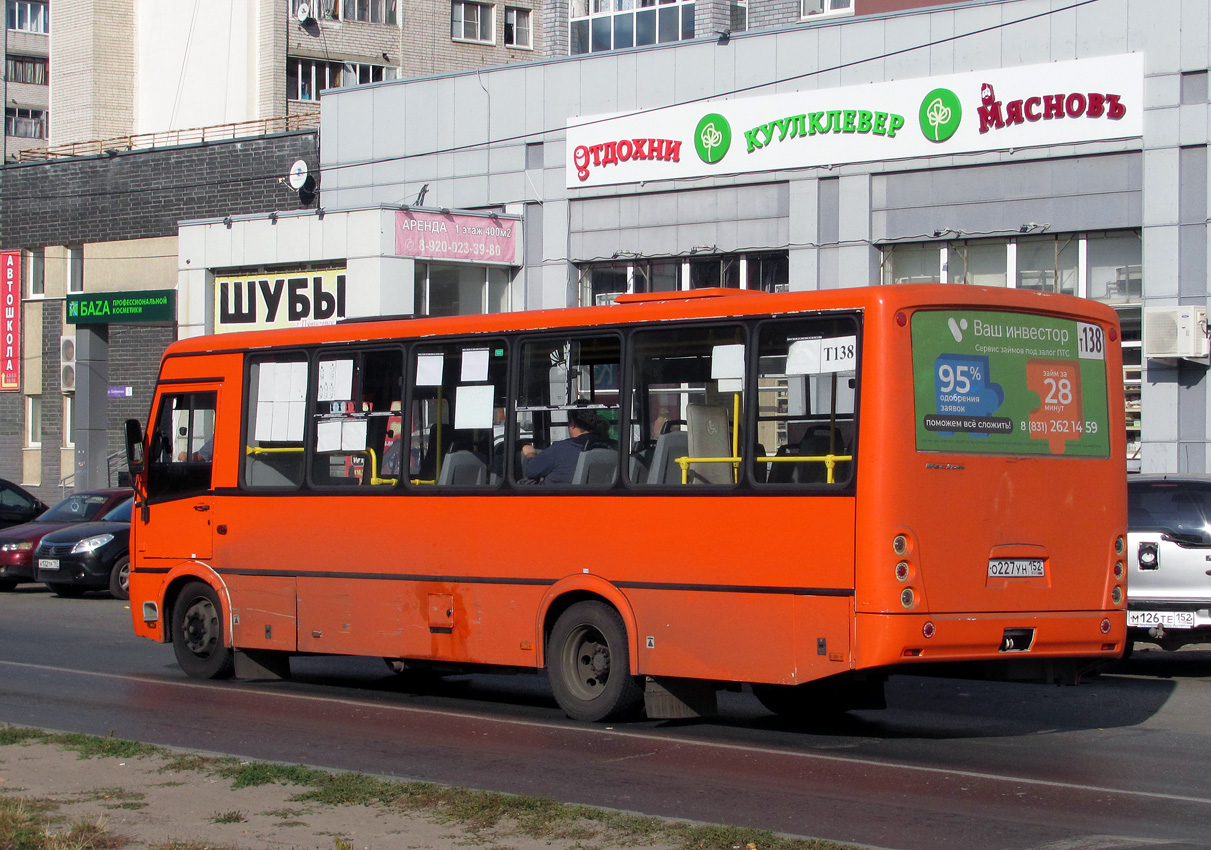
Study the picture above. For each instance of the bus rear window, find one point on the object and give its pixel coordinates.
(990, 382)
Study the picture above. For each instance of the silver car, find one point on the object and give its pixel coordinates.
(1169, 559)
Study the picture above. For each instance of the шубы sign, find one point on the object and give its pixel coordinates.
(153, 305)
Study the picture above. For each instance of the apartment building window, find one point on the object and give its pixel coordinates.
(75, 268)
(306, 78)
(33, 421)
(25, 123)
(35, 272)
(517, 27)
(812, 8)
(455, 289)
(601, 25)
(471, 22)
(371, 11)
(28, 16)
(26, 69)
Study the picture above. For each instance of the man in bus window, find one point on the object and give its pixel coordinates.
(557, 463)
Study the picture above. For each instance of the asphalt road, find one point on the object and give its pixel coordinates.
(1117, 762)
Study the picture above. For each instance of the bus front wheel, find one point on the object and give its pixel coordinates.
(197, 633)
(588, 662)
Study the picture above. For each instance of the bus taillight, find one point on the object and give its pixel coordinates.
(928, 630)
(1105, 626)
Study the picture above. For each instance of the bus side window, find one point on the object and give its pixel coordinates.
(568, 407)
(276, 421)
(356, 404)
(686, 400)
(807, 391)
(456, 419)
(182, 443)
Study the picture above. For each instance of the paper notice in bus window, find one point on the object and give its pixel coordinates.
(269, 387)
(298, 384)
(328, 436)
(727, 361)
(335, 380)
(822, 356)
(475, 365)
(429, 370)
(988, 382)
(263, 432)
(473, 407)
(353, 435)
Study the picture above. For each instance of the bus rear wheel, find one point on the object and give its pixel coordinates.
(588, 662)
(197, 633)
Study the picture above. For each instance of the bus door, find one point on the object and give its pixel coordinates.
(178, 522)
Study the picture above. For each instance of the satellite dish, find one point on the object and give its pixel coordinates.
(298, 175)
(303, 13)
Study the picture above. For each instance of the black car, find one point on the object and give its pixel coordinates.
(88, 556)
(17, 505)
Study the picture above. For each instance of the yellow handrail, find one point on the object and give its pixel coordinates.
(830, 461)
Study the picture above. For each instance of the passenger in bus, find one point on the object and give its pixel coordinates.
(556, 463)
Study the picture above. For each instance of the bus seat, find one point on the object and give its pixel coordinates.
(709, 436)
(596, 467)
(669, 447)
(463, 469)
(640, 463)
(816, 443)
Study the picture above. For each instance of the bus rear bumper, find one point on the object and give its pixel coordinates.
(1008, 638)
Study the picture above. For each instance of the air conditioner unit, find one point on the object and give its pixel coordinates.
(67, 364)
(1175, 332)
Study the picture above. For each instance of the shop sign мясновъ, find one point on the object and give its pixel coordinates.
(1083, 100)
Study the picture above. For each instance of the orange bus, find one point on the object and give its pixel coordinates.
(652, 500)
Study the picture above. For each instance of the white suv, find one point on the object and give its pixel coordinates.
(1169, 559)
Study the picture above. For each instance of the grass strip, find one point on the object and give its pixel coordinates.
(474, 811)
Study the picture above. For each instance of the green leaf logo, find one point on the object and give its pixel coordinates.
(941, 114)
(712, 138)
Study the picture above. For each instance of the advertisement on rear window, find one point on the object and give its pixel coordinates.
(987, 382)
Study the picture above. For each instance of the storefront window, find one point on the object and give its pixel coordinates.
(912, 263)
(1113, 267)
(450, 289)
(601, 283)
(1048, 264)
(981, 263)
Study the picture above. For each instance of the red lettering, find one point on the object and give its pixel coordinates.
(990, 116)
(1053, 106)
(672, 150)
(581, 157)
(1013, 112)
(637, 148)
(1116, 110)
(1031, 108)
(1075, 105)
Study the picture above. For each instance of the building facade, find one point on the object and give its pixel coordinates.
(1052, 146)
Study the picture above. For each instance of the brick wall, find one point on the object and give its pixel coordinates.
(134, 361)
(140, 194)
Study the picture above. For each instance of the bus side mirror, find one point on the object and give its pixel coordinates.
(134, 446)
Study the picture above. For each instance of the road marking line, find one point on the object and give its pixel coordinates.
(640, 736)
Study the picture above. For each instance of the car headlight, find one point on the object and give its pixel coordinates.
(91, 544)
(22, 546)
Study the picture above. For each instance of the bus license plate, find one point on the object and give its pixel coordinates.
(1015, 567)
(1168, 619)
(47, 564)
